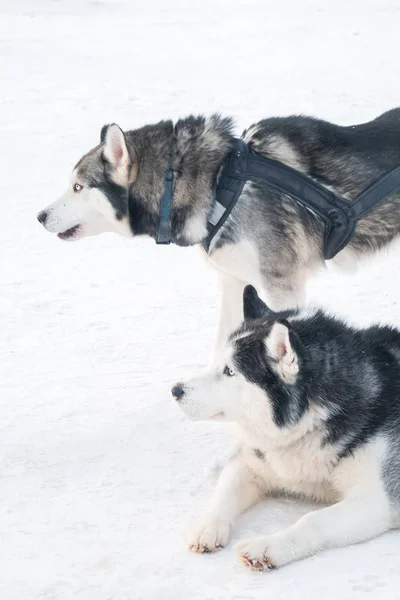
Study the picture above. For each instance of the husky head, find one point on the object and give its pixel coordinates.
(257, 378)
(118, 185)
(97, 198)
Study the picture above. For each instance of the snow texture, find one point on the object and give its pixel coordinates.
(100, 473)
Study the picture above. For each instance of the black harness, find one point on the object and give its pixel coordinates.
(338, 215)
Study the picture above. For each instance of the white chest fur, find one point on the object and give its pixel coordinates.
(239, 260)
(304, 467)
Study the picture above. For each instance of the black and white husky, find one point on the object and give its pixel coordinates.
(269, 240)
(317, 407)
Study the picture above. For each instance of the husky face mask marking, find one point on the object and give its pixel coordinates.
(255, 362)
(97, 200)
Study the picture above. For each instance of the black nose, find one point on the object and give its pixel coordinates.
(177, 391)
(42, 216)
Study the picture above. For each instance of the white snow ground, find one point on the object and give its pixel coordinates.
(100, 473)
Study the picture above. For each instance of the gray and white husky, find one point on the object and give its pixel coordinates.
(317, 408)
(268, 240)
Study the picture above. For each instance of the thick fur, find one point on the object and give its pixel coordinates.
(317, 409)
(268, 240)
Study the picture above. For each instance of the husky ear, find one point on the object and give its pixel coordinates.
(280, 349)
(253, 306)
(115, 150)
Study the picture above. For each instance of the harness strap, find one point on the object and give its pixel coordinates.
(338, 215)
(228, 189)
(332, 210)
(386, 185)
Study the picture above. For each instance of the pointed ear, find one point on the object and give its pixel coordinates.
(115, 150)
(280, 349)
(253, 306)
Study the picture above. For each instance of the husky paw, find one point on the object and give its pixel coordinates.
(257, 554)
(209, 536)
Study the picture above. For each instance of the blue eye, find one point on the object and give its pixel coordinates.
(77, 187)
(228, 371)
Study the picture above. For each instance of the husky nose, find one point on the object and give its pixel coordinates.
(42, 216)
(177, 391)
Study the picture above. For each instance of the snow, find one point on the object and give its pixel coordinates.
(100, 472)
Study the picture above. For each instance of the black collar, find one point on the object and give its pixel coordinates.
(164, 225)
(338, 215)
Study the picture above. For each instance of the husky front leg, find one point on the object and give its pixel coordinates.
(235, 491)
(286, 290)
(348, 522)
(231, 308)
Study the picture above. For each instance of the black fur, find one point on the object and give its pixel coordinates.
(253, 306)
(103, 133)
(142, 221)
(117, 195)
(354, 375)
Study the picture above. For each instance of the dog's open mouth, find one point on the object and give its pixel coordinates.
(69, 233)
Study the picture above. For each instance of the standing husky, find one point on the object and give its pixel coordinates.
(268, 239)
(317, 405)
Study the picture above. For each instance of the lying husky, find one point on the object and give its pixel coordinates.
(269, 239)
(317, 405)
